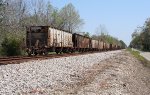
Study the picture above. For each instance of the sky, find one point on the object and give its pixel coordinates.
(120, 17)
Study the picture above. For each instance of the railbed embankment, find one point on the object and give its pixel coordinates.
(47, 76)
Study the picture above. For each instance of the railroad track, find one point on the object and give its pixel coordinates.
(20, 59)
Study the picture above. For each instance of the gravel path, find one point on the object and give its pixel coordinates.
(146, 55)
(52, 76)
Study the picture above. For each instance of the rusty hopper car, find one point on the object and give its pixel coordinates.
(111, 46)
(104, 46)
(95, 45)
(61, 40)
(115, 47)
(80, 43)
(118, 47)
(101, 45)
(107, 46)
(41, 39)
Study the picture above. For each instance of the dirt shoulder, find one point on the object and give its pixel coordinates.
(118, 75)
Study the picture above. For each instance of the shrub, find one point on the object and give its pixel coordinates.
(11, 46)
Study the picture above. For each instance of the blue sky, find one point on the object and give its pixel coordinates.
(120, 17)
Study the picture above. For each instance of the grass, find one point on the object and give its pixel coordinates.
(137, 55)
(51, 52)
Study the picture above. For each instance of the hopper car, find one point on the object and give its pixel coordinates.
(43, 39)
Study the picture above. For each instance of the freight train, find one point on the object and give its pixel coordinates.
(44, 39)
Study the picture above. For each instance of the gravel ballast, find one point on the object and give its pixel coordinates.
(46, 76)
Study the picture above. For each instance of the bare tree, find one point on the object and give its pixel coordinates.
(101, 30)
(71, 18)
(49, 11)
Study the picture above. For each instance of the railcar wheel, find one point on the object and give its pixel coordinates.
(29, 53)
(45, 52)
(72, 50)
(57, 52)
(41, 53)
(35, 53)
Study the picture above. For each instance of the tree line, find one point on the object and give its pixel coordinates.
(141, 37)
(16, 14)
(103, 35)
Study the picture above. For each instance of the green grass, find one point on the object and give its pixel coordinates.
(137, 55)
(51, 52)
